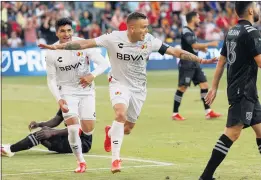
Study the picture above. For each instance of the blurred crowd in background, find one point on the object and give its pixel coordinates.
(28, 23)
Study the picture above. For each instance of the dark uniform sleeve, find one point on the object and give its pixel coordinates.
(59, 113)
(224, 48)
(254, 43)
(189, 38)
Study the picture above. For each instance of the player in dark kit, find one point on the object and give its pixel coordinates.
(53, 139)
(242, 53)
(191, 71)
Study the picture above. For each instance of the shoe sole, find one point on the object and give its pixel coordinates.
(208, 118)
(115, 171)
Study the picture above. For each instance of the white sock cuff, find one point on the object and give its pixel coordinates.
(118, 124)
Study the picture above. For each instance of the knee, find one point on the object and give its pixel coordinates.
(120, 116)
(233, 135)
(88, 131)
(73, 129)
(182, 88)
(128, 128)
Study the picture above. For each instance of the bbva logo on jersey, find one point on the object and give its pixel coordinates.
(70, 67)
(127, 57)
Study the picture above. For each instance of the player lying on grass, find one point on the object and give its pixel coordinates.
(128, 54)
(53, 139)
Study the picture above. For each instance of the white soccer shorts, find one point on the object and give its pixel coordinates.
(82, 106)
(133, 100)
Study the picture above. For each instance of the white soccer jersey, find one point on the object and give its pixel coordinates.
(128, 60)
(64, 69)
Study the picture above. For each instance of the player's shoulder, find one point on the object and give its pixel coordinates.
(186, 31)
(251, 31)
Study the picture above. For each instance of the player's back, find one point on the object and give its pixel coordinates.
(241, 66)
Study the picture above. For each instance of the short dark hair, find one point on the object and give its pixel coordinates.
(135, 16)
(63, 22)
(190, 15)
(241, 7)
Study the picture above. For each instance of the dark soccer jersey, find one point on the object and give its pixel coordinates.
(85, 139)
(241, 45)
(188, 38)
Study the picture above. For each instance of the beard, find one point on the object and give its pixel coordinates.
(256, 17)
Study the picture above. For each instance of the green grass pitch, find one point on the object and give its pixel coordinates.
(179, 150)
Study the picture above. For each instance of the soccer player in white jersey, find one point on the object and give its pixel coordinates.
(128, 53)
(65, 72)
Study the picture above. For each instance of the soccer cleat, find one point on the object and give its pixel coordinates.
(81, 167)
(212, 115)
(178, 117)
(107, 141)
(5, 151)
(116, 166)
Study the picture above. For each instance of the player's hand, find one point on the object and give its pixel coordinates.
(86, 80)
(214, 43)
(205, 50)
(209, 61)
(44, 134)
(210, 97)
(63, 105)
(33, 125)
(46, 46)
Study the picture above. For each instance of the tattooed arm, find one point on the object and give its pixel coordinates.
(185, 55)
(73, 45)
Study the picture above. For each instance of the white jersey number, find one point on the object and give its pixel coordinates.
(231, 54)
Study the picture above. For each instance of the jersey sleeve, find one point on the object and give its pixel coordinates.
(158, 45)
(254, 43)
(51, 76)
(104, 40)
(101, 62)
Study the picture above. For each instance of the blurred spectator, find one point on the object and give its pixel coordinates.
(212, 31)
(123, 24)
(14, 41)
(48, 29)
(91, 19)
(30, 35)
(117, 18)
(84, 24)
(4, 41)
(95, 30)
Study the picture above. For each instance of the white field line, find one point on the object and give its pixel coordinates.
(153, 164)
(71, 170)
(97, 87)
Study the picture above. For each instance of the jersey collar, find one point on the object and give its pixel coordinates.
(243, 21)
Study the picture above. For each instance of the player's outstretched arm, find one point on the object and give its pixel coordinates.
(55, 121)
(210, 97)
(73, 45)
(185, 55)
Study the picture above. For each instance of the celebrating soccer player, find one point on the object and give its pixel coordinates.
(128, 53)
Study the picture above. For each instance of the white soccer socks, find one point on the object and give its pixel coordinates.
(75, 141)
(117, 134)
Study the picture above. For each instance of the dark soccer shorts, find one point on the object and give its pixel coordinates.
(60, 144)
(245, 113)
(187, 75)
